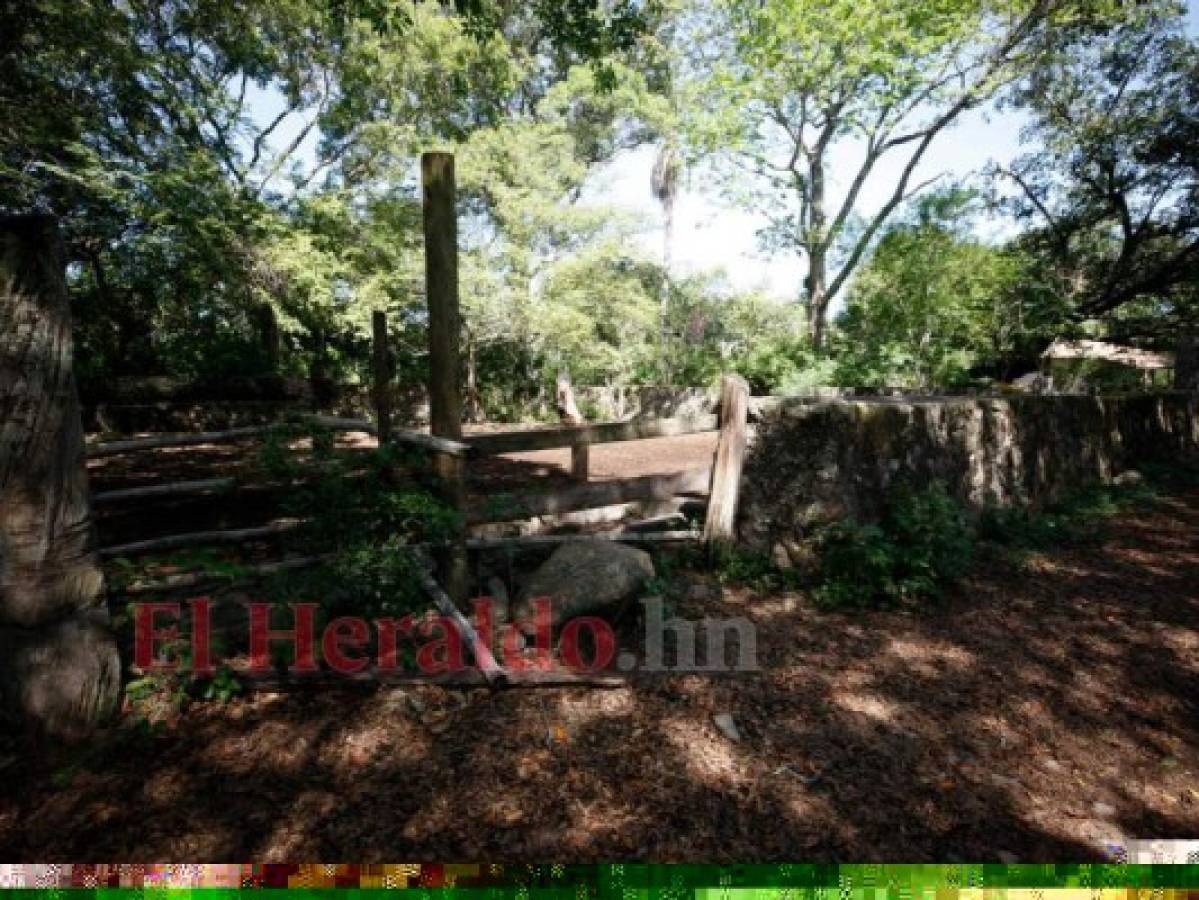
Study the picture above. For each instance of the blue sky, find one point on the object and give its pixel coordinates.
(709, 234)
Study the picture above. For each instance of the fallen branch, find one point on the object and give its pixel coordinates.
(173, 489)
(491, 670)
(226, 536)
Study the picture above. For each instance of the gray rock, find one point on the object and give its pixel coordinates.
(1132, 476)
(1106, 810)
(585, 576)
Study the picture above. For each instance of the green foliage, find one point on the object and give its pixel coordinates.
(1077, 519)
(1110, 187)
(932, 304)
(922, 544)
(366, 579)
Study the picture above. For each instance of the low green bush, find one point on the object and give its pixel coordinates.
(922, 544)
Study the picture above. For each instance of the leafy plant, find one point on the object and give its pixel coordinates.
(922, 544)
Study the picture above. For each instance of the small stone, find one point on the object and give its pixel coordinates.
(1132, 476)
(1052, 765)
(699, 591)
(1106, 810)
(1008, 859)
(724, 721)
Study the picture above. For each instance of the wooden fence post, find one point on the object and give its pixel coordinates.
(381, 363)
(580, 459)
(441, 293)
(445, 334)
(720, 525)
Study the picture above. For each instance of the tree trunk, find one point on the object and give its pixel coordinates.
(568, 411)
(1186, 363)
(816, 282)
(473, 410)
(58, 662)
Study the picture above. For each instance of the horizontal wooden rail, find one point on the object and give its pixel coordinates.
(553, 540)
(334, 423)
(174, 489)
(247, 575)
(251, 574)
(602, 433)
(510, 507)
(162, 441)
(194, 538)
(398, 435)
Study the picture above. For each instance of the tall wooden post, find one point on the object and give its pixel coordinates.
(720, 527)
(445, 335)
(59, 665)
(441, 293)
(381, 363)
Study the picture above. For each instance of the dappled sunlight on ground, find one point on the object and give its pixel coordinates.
(1046, 710)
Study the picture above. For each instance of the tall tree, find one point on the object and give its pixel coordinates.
(58, 664)
(778, 87)
(1112, 184)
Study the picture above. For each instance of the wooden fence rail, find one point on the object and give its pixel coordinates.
(580, 435)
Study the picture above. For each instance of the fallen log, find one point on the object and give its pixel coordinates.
(173, 489)
(191, 539)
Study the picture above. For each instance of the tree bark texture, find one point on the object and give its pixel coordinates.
(58, 662)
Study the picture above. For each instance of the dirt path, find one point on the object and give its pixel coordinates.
(656, 456)
(1043, 713)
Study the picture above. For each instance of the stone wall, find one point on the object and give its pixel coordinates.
(817, 461)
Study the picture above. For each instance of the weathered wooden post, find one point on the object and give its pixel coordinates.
(59, 666)
(381, 365)
(445, 334)
(441, 292)
(721, 523)
(580, 460)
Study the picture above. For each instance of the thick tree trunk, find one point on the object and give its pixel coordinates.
(58, 663)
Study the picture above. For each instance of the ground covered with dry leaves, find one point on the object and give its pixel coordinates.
(1045, 711)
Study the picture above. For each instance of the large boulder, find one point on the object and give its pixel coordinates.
(585, 576)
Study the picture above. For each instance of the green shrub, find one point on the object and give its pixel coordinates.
(1079, 518)
(922, 544)
(857, 565)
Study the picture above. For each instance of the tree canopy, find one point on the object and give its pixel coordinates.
(238, 184)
